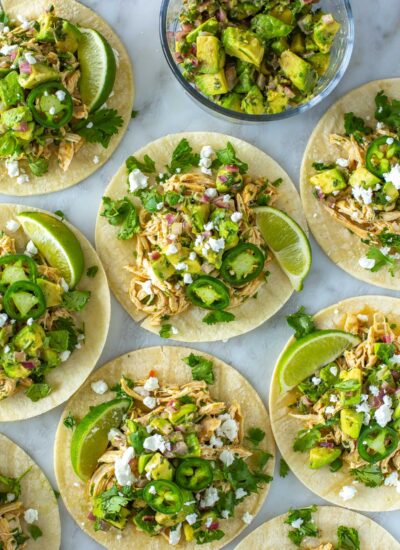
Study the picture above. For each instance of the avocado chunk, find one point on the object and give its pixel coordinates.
(210, 54)
(301, 73)
(30, 339)
(46, 31)
(325, 32)
(51, 357)
(210, 26)
(68, 37)
(159, 467)
(322, 456)
(99, 512)
(390, 192)
(199, 214)
(320, 62)
(242, 10)
(267, 27)
(162, 268)
(143, 460)
(11, 91)
(212, 84)
(15, 370)
(351, 397)
(26, 135)
(161, 425)
(13, 117)
(351, 422)
(297, 45)
(246, 77)
(232, 101)
(52, 292)
(362, 177)
(182, 415)
(40, 73)
(277, 101)
(280, 45)
(253, 102)
(243, 44)
(329, 181)
(229, 231)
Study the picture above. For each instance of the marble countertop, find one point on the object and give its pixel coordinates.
(164, 108)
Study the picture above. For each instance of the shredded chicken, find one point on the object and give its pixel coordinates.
(10, 525)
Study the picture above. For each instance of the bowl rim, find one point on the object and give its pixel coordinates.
(245, 117)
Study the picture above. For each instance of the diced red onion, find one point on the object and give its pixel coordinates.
(213, 526)
(261, 81)
(387, 338)
(205, 199)
(187, 27)
(91, 516)
(25, 68)
(288, 92)
(28, 365)
(327, 444)
(221, 16)
(230, 75)
(223, 178)
(170, 219)
(232, 168)
(155, 255)
(178, 57)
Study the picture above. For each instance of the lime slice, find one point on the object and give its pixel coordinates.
(90, 438)
(310, 353)
(287, 241)
(98, 69)
(56, 243)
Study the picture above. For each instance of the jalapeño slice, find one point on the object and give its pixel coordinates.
(208, 292)
(194, 474)
(163, 496)
(376, 443)
(242, 264)
(24, 300)
(382, 154)
(51, 105)
(24, 260)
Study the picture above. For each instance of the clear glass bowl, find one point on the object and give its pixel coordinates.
(340, 57)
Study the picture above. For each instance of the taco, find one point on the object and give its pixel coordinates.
(186, 442)
(350, 181)
(320, 528)
(54, 312)
(59, 65)
(338, 426)
(29, 516)
(187, 258)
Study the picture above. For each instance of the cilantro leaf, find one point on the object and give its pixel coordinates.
(60, 214)
(218, 316)
(348, 538)
(371, 475)
(134, 114)
(106, 123)
(34, 531)
(148, 166)
(381, 260)
(241, 477)
(38, 166)
(283, 468)
(307, 528)
(69, 421)
(301, 322)
(165, 330)
(320, 166)
(75, 300)
(150, 198)
(203, 537)
(11, 485)
(390, 239)
(306, 439)
(183, 157)
(354, 125)
(228, 156)
(347, 385)
(4, 17)
(66, 323)
(92, 271)
(117, 388)
(38, 391)
(122, 212)
(202, 368)
(385, 352)
(255, 436)
(172, 198)
(387, 111)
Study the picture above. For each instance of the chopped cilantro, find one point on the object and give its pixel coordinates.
(34, 531)
(209, 535)
(241, 477)
(320, 166)
(38, 391)
(122, 212)
(75, 300)
(183, 157)
(385, 352)
(147, 166)
(117, 388)
(38, 166)
(66, 323)
(165, 330)
(381, 260)
(307, 439)
(228, 156)
(150, 198)
(283, 468)
(355, 126)
(307, 527)
(92, 271)
(202, 368)
(69, 421)
(387, 111)
(301, 322)
(255, 436)
(390, 239)
(106, 123)
(134, 114)
(371, 475)
(348, 538)
(172, 198)
(218, 316)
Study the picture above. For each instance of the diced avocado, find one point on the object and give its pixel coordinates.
(40, 73)
(159, 467)
(246, 77)
(12, 274)
(310, 44)
(325, 32)
(4, 336)
(228, 181)
(301, 73)
(199, 214)
(297, 44)
(210, 53)
(243, 10)
(162, 268)
(351, 422)
(11, 91)
(9, 145)
(26, 135)
(51, 357)
(351, 397)
(182, 415)
(13, 117)
(396, 413)
(30, 339)
(320, 62)
(188, 532)
(68, 37)
(58, 340)
(161, 425)
(193, 444)
(228, 230)
(232, 101)
(361, 176)
(24, 302)
(243, 44)
(211, 26)
(189, 506)
(329, 181)
(193, 266)
(284, 14)
(46, 31)
(306, 23)
(143, 460)
(322, 456)
(390, 192)
(280, 45)
(253, 102)
(15, 370)
(277, 101)
(99, 512)
(267, 27)
(212, 84)
(52, 292)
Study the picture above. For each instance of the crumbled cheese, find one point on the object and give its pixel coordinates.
(114, 433)
(228, 428)
(96, 159)
(7, 349)
(216, 244)
(205, 162)
(25, 24)
(379, 125)
(214, 441)
(199, 240)
(192, 256)
(385, 250)
(175, 535)
(393, 176)
(333, 370)
(316, 381)
(150, 402)
(208, 226)
(374, 390)
(160, 205)
(240, 493)
(236, 217)
(366, 409)
(362, 194)
(141, 391)
(147, 287)
(3, 319)
(210, 498)
(178, 170)
(211, 192)
(366, 263)
(10, 497)
(123, 471)
(191, 518)
(297, 523)
(64, 284)
(181, 266)
(52, 111)
(12, 225)
(206, 151)
(383, 414)
(31, 249)
(347, 492)
(226, 199)
(209, 522)
(330, 410)
(99, 387)
(31, 515)
(60, 94)
(333, 398)
(23, 178)
(7, 50)
(174, 330)
(151, 383)
(362, 318)
(342, 162)
(31, 59)
(247, 518)
(395, 359)
(225, 514)
(12, 168)
(392, 480)
(171, 250)
(206, 171)
(89, 125)
(152, 490)
(390, 141)
(155, 443)
(64, 355)
(227, 457)
(137, 180)
(187, 279)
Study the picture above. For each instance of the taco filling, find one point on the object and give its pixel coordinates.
(49, 103)
(178, 464)
(361, 190)
(350, 408)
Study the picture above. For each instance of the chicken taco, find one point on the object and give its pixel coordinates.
(29, 516)
(59, 65)
(164, 446)
(335, 404)
(320, 528)
(350, 181)
(198, 238)
(54, 311)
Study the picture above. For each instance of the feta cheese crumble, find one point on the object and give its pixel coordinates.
(297, 523)
(31, 515)
(347, 492)
(191, 518)
(12, 226)
(151, 384)
(236, 217)
(316, 381)
(227, 457)
(216, 244)
(31, 59)
(247, 518)
(12, 168)
(175, 535)
(343, 163)
(366, 263)
(123, 471)
(137, 180)
(210, 498)
(187, 279)
(64, 355)
(362, 194)
(171, 249)
(155, 443)
(150, 402)
(99, 387)
(3, 319)
(60, 94)
(383, 414)
(240, 493)
(393, 176)
(211, 193)
(96, 159)
(23, 178)
(228, 428)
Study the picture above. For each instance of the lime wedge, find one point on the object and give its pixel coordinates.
(98, 68)
(310, 353)
(287, 241)
(90, 438)
(56, 243)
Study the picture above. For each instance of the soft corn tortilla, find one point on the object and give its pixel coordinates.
(67, 377)
(82, 165)
(36, 493)
(342, 247)
(322, 482)
(273, 534)
(116, 254)
(167, 362)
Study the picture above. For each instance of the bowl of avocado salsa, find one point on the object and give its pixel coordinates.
(258, 60)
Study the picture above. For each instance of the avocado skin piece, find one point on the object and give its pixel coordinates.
(320, 62)
(253, 102)
(210, 53)
(351, 422)
(301, 73)
(267, 27)
(211, 26)
(363, 177)
(329, 180)
(40, 73)
(11, 92)
(243, 44)
(322, 456)
(324, 34)
(212, 84)
(12, 117)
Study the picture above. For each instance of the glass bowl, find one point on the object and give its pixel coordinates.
(340, 57)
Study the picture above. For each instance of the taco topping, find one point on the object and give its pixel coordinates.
(255, 57)
(361, 190)
(45, 111)
(177, 464)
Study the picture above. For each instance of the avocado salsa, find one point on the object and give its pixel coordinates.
(257, 57)
(39, 326)
(44, 110)
(361, 189)
(177, 466)
(350, 408)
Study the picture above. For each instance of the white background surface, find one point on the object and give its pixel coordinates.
(164, 108)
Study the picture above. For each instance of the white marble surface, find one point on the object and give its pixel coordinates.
(164, 108)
